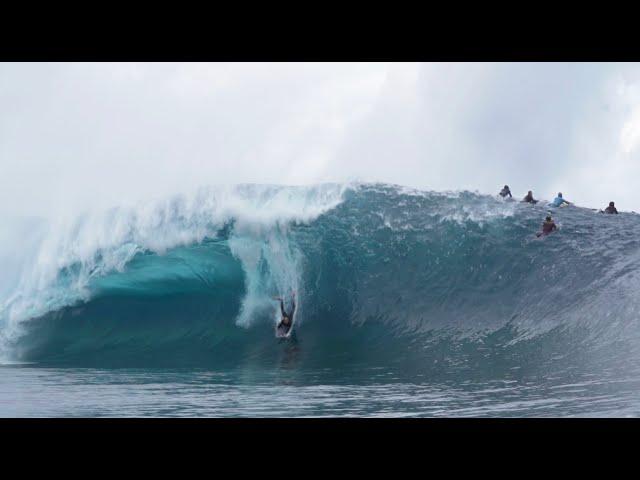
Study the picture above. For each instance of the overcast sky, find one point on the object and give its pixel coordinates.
(79, 135)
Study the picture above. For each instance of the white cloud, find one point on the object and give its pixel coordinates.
(80, 135)
(630, 135)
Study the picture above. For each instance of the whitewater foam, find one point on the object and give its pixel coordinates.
(58, 269)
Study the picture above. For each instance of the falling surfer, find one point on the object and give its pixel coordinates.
(284, 327)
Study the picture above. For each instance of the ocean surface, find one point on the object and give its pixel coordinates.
(410, 303)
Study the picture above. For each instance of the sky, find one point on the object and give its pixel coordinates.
(81, 135)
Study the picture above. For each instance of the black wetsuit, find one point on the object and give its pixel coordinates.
(504, 192)
(529, 199)
(282, 327)
(610, 210)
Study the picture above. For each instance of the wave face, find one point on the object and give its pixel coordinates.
(426, 281)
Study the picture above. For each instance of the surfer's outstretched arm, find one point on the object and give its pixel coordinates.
(282, 308)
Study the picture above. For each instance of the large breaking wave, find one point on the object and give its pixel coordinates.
(384, 275)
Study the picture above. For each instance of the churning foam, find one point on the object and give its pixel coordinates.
(55, 271)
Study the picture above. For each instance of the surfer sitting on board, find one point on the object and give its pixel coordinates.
(529, 198)
(547, 227)
(287, 318)
(611, 208)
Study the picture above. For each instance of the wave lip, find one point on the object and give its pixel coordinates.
(72, 254)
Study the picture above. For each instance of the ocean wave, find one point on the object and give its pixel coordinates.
(382, 273)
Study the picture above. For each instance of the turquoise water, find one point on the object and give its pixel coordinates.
(410, 303)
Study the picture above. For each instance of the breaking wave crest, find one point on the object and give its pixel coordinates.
(384, 274)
